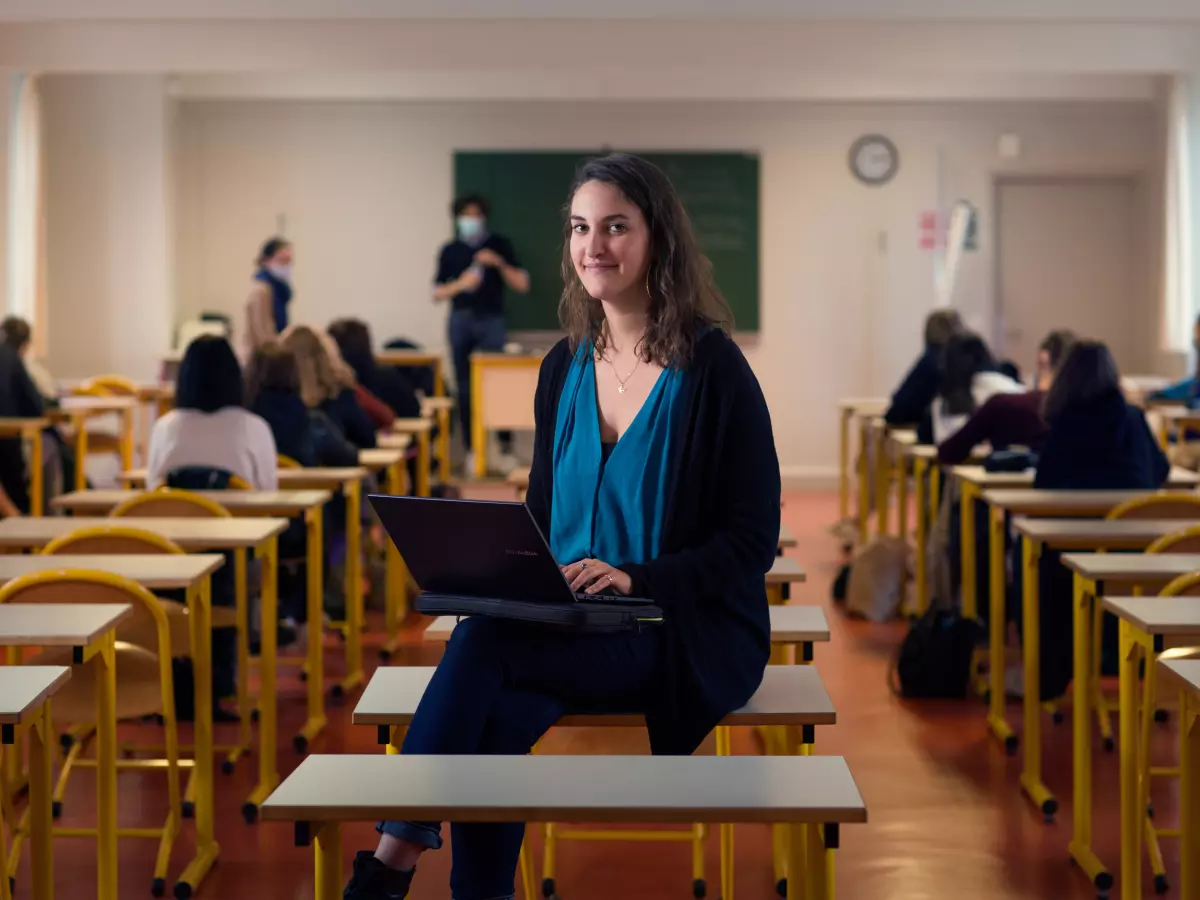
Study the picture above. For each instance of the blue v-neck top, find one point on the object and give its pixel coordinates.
(610, 500)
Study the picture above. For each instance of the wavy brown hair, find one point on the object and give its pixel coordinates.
(684, 299)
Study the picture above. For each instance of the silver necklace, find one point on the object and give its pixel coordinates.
(621, 382)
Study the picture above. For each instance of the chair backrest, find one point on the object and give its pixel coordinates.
(1180, 505)
(108, 385)
(1185, 540)
(170, 503)
(102, 539)
(1188, 584)
(286, 462)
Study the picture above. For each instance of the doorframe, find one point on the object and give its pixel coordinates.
(1000, 178)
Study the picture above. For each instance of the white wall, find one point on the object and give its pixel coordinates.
(364, 189)
(7, 104)
(108, 225)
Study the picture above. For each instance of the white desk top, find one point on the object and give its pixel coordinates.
(189, 533)
(23, 690)
(789, 695)
(1100, 534)
(1059, 504)
(157, 572)
(1186, 671)
(58, 624)
(1131, 567)
(977, 475)
(818, 789)
(786, 571)
(1158, 615)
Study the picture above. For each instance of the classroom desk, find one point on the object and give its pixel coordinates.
(90, 630)
(502, 389)
(242, 504)
(25, 693)
(439, 409)
(893, 466)
(1093, 572)
(1186, 674)
(848, 410)
(76, 411)
(421, 429)
(199, 535)
(1144, 623)
(416, 359)
(30, 430)
(156, 572)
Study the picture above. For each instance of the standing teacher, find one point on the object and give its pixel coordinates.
(267, 305)
(473, 272)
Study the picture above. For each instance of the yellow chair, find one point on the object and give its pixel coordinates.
(171, 503)
(146, 689)
(105, 442)
(286, 462)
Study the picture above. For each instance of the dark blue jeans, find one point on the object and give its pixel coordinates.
(500, 686)
(471, 331)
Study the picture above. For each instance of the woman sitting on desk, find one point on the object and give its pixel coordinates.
(654, 475)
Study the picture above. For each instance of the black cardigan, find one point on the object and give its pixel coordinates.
(718, 542)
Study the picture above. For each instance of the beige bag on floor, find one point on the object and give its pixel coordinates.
(877, 579)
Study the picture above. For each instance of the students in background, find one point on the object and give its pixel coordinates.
(17, 333)
(473, 272)
(683, 509)
(19, 399)
(209, 426)
(1097, 441)
(1185, 448)
(305, 435)
(327, 383)
(968, 380)
(267, 305)
(1008, 419)
(353, 338)
(913, 398)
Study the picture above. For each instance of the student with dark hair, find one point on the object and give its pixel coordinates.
(267, 305)
(353, 338)
(914, 397)
(210, 426)
(968, 380)
(654, 475)
(1007, 420)
(1097, 441)
(19, 399)
(473, 272)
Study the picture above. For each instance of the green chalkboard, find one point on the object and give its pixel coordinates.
(528, 190)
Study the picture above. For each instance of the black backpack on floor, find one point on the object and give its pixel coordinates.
(934, 661)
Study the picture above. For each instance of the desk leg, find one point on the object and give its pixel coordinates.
(443, 451)
(883, 482)
(864, 485)
(41, 849)
(844, 467)
(81, 451)
(966, 505)
(397, 576)
(1031, 774)
(423, 464)
(37, 491)
(328, 857)
(478, 435)
(901, 495)
(315, 723)
(354, 594)
(268, 774)
(922, 587)
(106, 771)
(1189, 793)
(1081, 707)
(997, 628)
(207, 850)
(1131, 811)
(127, 438)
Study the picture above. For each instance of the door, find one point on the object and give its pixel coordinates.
(1065, 259)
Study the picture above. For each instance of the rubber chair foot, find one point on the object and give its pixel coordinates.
(300, 744)
(699, 889)
(56, 809)
(227, 767)
(1161, 885)
(158, 887)
(189, 812)
(1109, 745)
(249, 813)
(183, 891)
(1162, 716)
(548, 889)
(781, 887)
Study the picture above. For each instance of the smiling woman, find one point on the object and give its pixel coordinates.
(655, 476)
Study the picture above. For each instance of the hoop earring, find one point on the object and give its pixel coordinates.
(648, 294)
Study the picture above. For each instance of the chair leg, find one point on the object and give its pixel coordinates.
(526, 865)
(549, 856)
(1103, 715)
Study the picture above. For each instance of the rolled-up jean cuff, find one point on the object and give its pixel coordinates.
(423, 834)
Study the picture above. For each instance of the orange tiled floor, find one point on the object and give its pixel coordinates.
(946, 816)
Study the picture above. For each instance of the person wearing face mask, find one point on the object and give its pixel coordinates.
(473, 272)
(267, 305)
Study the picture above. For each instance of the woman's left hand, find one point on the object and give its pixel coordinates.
(591, 576)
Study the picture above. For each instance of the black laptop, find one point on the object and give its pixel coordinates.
(484, 558)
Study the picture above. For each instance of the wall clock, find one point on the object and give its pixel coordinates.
(874, 159)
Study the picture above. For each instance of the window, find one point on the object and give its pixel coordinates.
(26, 231)
(1179, 307)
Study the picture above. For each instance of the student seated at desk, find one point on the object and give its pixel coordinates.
(914, 397)
(19, 398)
(1097, 441)
(327, 383)
(682, 509)
(1007, 420)
(388, 383)
(1185, 448)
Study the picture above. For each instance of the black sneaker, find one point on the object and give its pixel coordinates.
(372, 880)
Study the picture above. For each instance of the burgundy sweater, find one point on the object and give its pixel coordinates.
(1004, 420)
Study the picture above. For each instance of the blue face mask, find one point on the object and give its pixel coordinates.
(469, 227)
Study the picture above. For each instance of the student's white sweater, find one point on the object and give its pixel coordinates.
(232, 438)
(984, 386)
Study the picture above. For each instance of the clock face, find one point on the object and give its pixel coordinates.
(874, 159)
